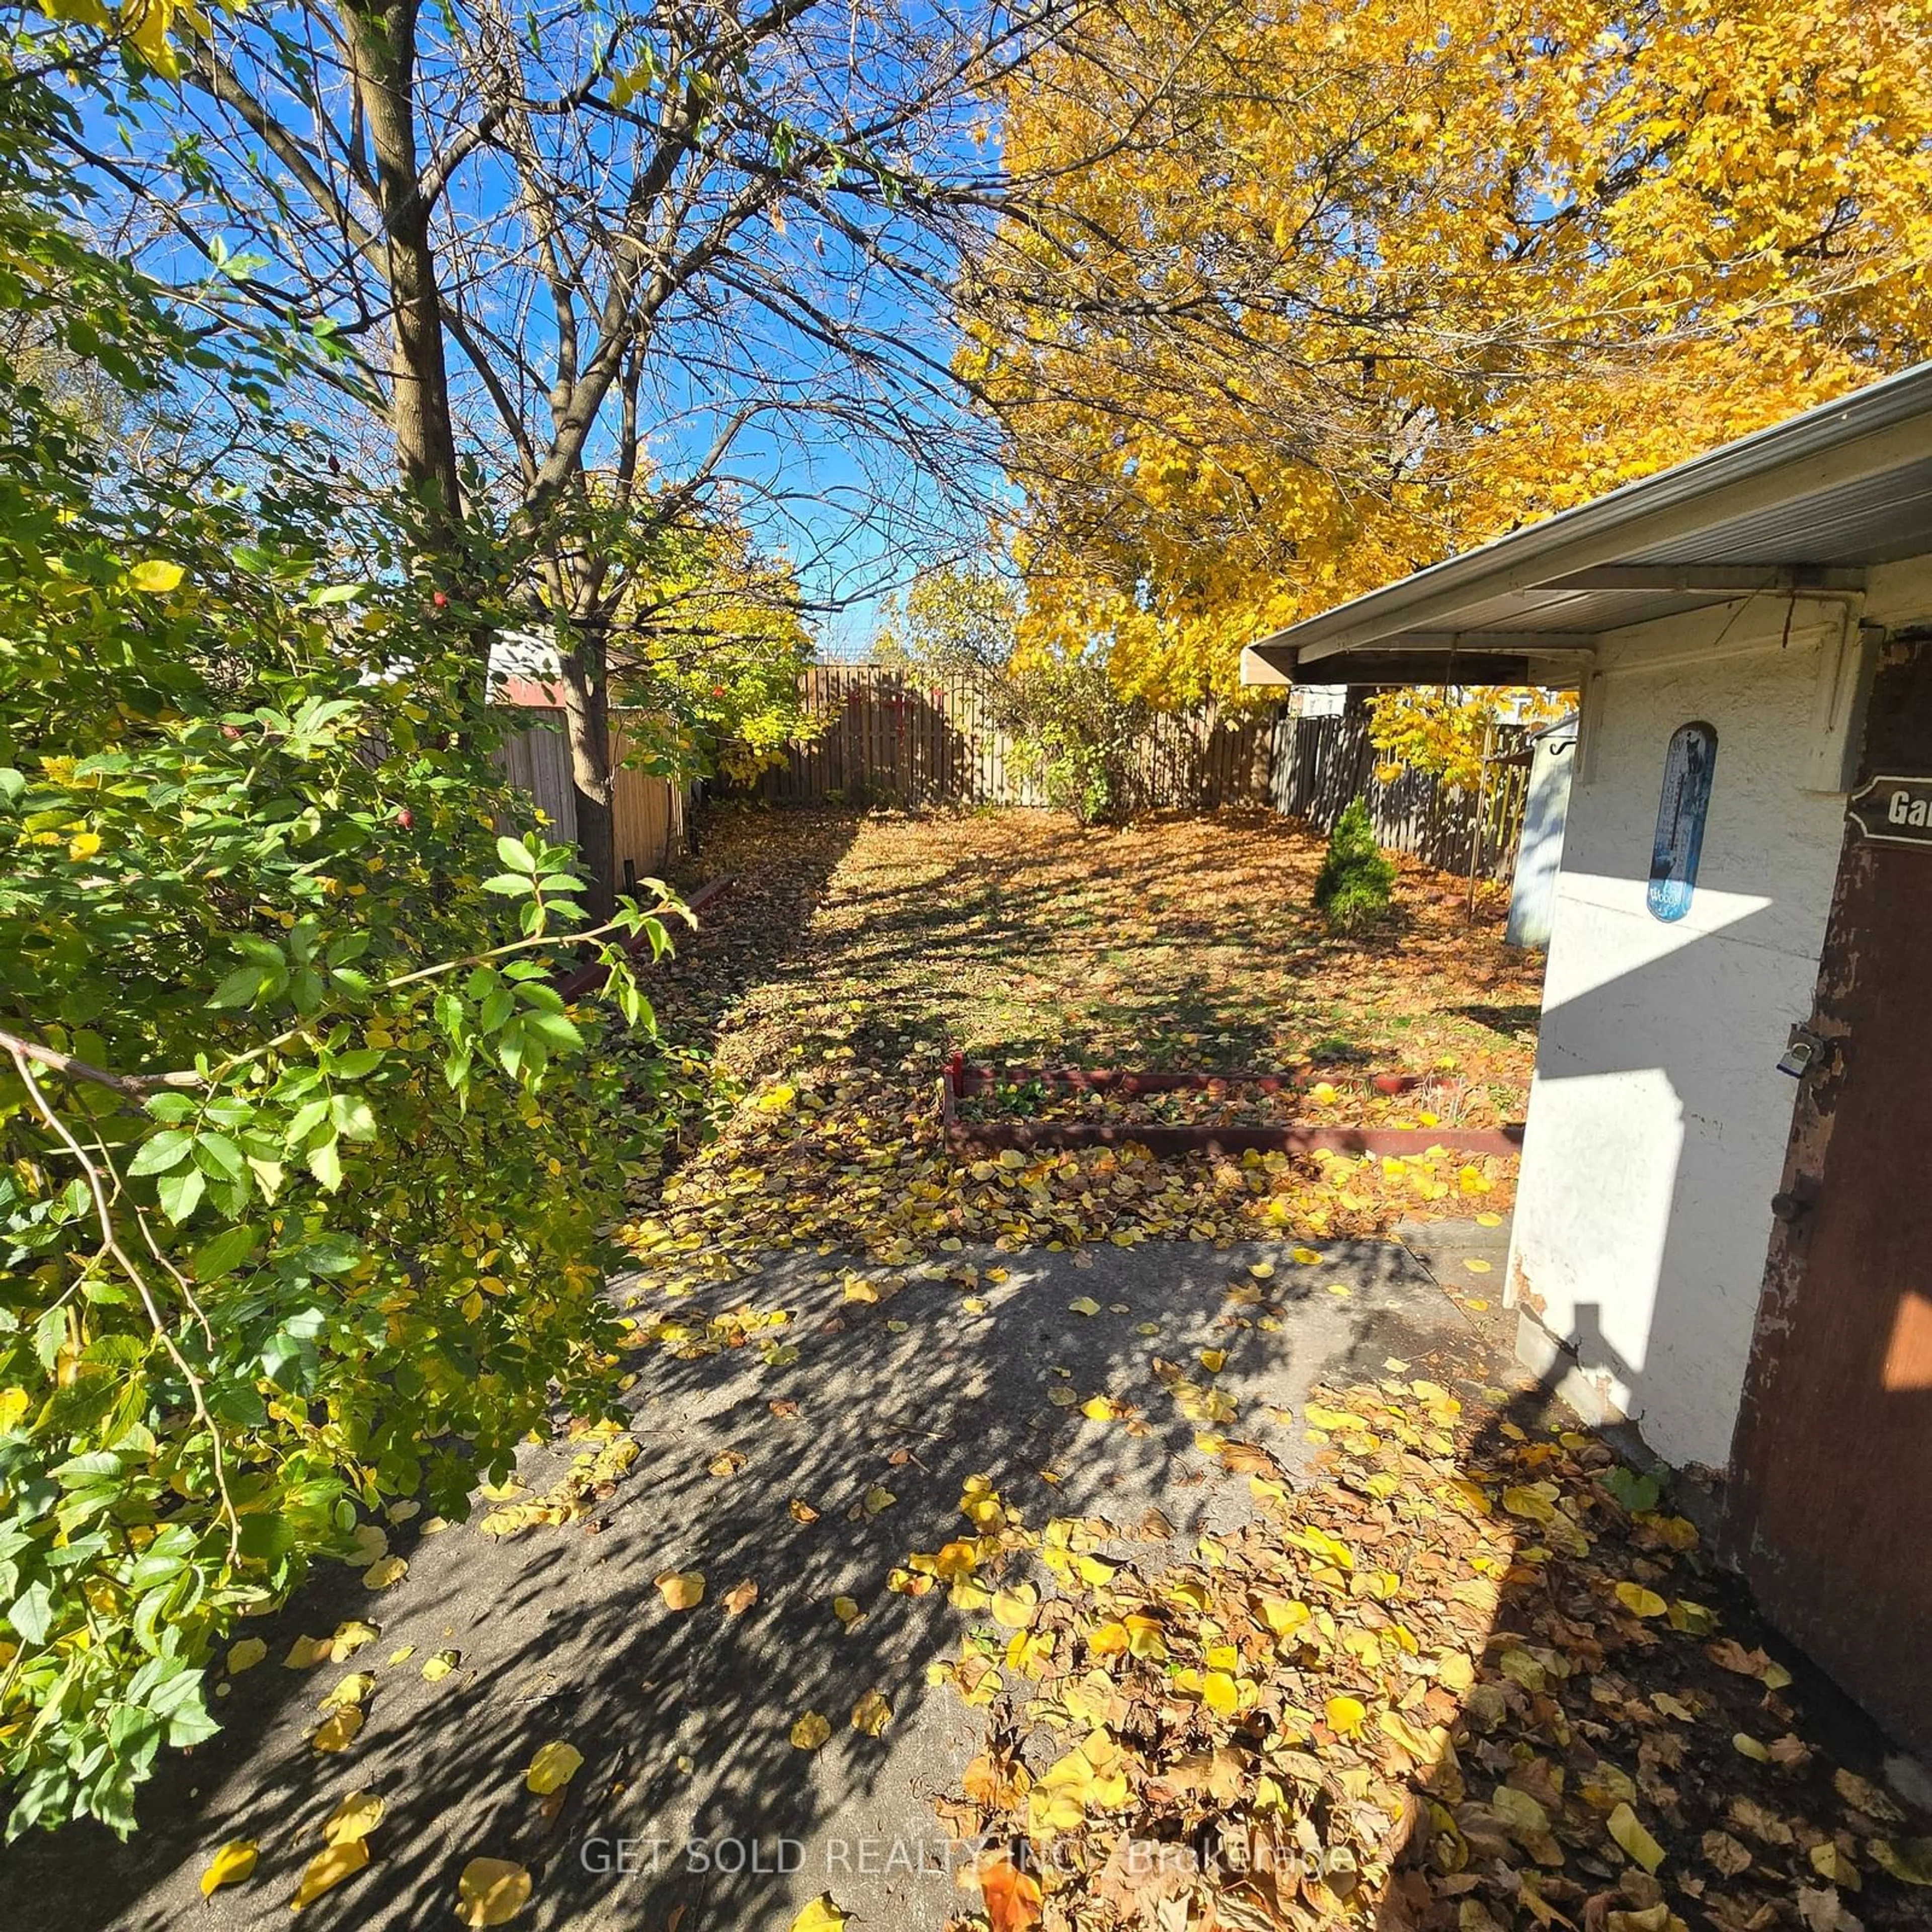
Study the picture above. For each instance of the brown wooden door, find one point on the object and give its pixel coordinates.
(1830, 1514)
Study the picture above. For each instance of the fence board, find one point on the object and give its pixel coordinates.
(646, 813)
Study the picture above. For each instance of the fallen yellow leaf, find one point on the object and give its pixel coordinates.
(353, 1689)
(328, 1869)
(872, 1714)
(681, 1589)
(350, 1637)
(1908, 1860)
(822, 1914)
(229, 1866)
(1013, 1607)
(491, 1891)
(811, 1731)
(1636, 1599)
(356, 1816)
(1633, 1839)
(554, 1765)
(245, 1655)
(1831, 1865)
(337, 1732)
(1346, 1715)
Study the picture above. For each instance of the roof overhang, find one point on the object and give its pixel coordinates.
(1804, 509)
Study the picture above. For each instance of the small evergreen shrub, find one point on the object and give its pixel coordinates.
(1352, 889)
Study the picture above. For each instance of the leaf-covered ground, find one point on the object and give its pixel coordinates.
(1095, 1582)
(855, 954)
(1467, 1672)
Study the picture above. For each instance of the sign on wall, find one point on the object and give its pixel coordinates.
(1893, 811)
(1689, 764)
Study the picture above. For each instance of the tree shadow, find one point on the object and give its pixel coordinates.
(1048, 942)
(684, 1718)
(1631, 1668)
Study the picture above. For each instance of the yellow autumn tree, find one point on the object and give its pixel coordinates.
(1310, 295)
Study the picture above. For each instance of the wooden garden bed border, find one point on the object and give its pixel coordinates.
(958, 1081)
(588, 978)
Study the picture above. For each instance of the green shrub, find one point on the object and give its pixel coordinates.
(304, 1165)
(1074, 736)
(1352, 889)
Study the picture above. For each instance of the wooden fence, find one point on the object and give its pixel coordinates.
(647, 813)
(1318, 764)
(907, 736)
(914, 736)
(904, 737)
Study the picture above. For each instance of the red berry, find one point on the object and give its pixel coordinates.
(440, 601)
(231, 730)
(405, 818)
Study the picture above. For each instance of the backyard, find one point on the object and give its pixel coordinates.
(1073, 1539)
(854, 954)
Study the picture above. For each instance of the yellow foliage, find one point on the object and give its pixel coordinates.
(1333, 292)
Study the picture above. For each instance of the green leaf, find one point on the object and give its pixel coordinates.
(1638, 1494)
(224, 1253)
(325, 1163)
(160, 1152)
(180, 1193)
(218, 1157)
(555, 1030)
(31, 1612)
(516, 856)
(239, 988)
(266, 1537)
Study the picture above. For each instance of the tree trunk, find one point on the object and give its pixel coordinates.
(587, 727)
(383, 38)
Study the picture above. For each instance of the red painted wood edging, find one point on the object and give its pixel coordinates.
(958, 1081)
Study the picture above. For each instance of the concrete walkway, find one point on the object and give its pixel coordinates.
(691, 1795)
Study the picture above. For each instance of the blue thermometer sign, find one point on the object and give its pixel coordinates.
(1689, 764)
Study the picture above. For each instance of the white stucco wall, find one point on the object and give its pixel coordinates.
(1657, 1120)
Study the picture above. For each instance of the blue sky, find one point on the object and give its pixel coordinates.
(853, 513)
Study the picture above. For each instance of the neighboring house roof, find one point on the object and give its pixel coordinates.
(1808, 504)
(522, 670)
